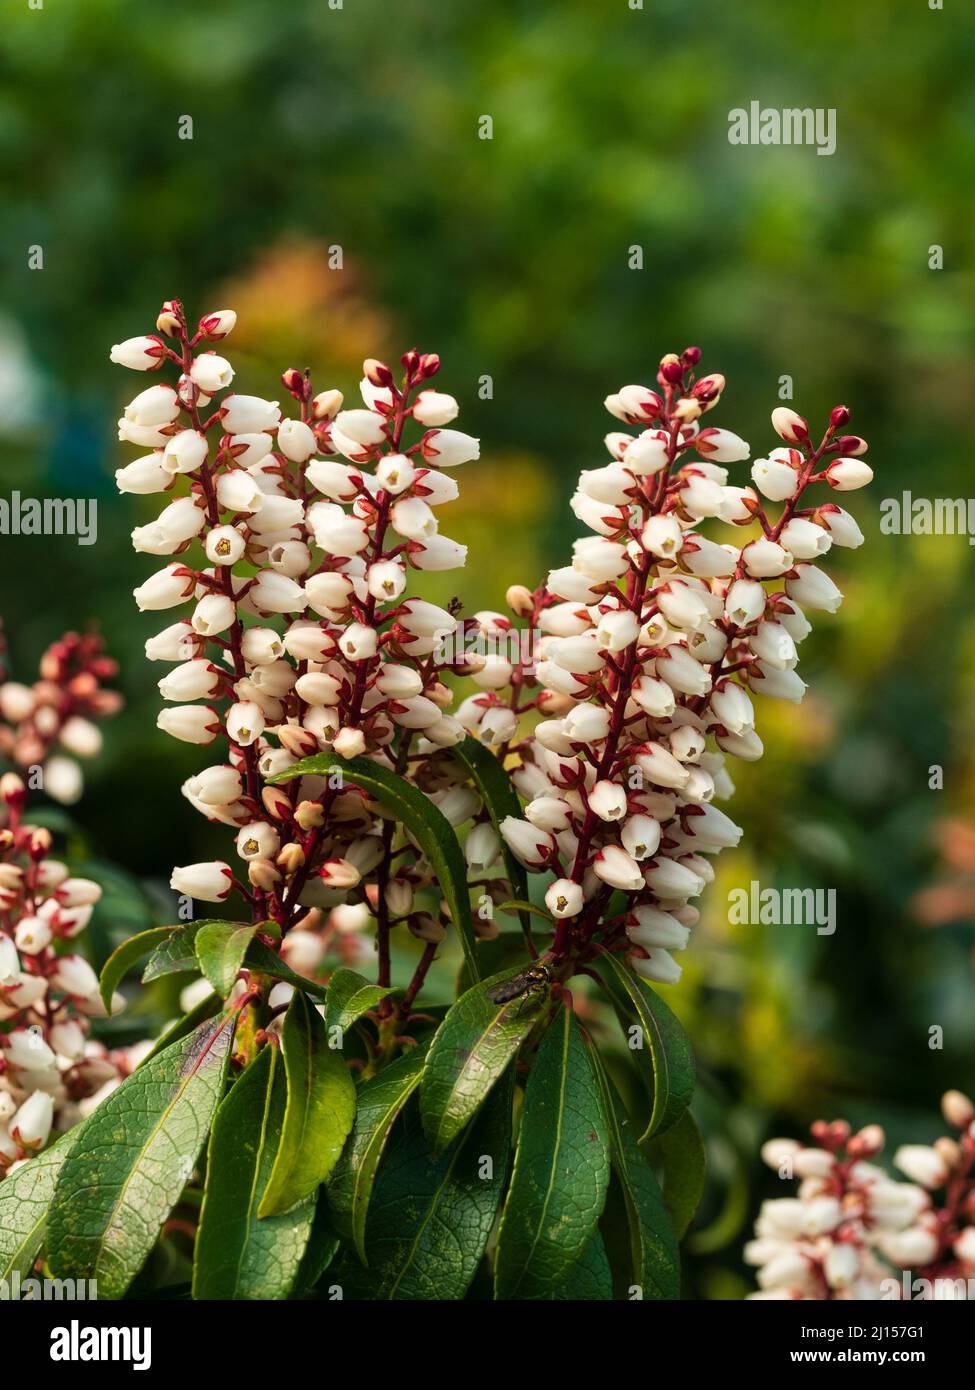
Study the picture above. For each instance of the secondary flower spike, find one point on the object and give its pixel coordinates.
(652, 644)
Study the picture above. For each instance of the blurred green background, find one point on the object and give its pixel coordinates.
(315, 127)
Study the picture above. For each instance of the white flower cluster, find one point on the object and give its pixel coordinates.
(850, 1226)
(653, 642)
(301, 637)
(51, 1072)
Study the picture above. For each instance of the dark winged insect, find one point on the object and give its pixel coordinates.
(529, 983)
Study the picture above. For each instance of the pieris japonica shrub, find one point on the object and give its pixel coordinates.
(355, 1134)
(854, 1232)
(52, 1072)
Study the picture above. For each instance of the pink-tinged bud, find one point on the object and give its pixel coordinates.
(299, 742)
(788, 425)
(848, 474)
(671, 370)
(530, 846)
(249, 414)
(190, 723)
(363, 427)
(296, 440)
(261, 873)
(957, 1109)
(165, 589)
(293, 382)
(839, 416)
(12, 790)
(210, 882)
(144, 354)
(339, 873)
(851, 445)
(349, 743)
(31, 1125)
(376, 372)
(520, 600)
(326, 405)
(707, 389)
(170, 318)
(73, 975)
(277, 803)
(657, 965)
(614, 866)
(721, 446)
(922, 1164)
(217, 324)
(309, 815)
(428, 365)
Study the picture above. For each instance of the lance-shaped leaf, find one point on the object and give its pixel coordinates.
(682, 1157)
(501, 800)
(425, 822)
(322, 1247)
(663, 1036)
(261, 959)
(136, 1154)
(654, 1261)
(220, 949)
(561, 1169)
(25, 1198)
(590, 1279)
(469, 1053)
(175, 954)
(237, 1254)
(378, 1102)
(430, 1217)
(319, 1114)
(122, 959)
(349, 997)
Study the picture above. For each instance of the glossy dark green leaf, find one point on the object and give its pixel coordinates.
(430, 1217)
(319, 1114)
(238, 1255)
(122, 959)
(430, 828)
(663, 1036)
(654, 1261)
(322, 1247)
(220, 948)
(470, 1051)
(590, 1279)
(25, 1197)
(137, 1152)
(501, 800)
(682, 1158)
(175, 954)
(378, 1103)
(264, 961)
(349, 997)
(561, 1169)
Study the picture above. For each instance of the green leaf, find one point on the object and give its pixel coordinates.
(379, 1101)
(590, 1279)
(135, 1155)
(220, 949)
(561, 1169)
(670, 1051)
(501, 800)
(199, 1012)
(175, 955)
(25, 1198)
(322, 1247)
(469, 1053)
(520, 906)
(320, 1110)
(264, 961)
(431, 829)
(430, 1217)
(682, 1157)
(349, 997)
(122, 959)
(238, 1255)
(654, 1261)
